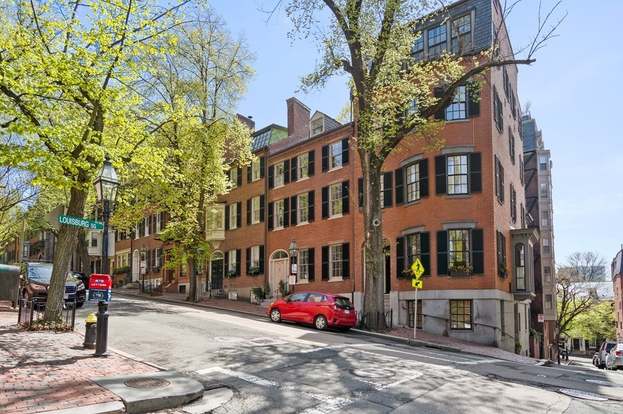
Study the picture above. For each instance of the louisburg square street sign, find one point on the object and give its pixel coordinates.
(80, 222)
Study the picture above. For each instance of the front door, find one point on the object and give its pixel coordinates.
(278, 273)
(216, 273)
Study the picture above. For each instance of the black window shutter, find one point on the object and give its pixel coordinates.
(293, 169)
(148, 261)
(286, 171)
(270, 216)
(310, 163)
(478, 259)
(325, 262)
(440, 174)
(261, 259)
(360, 191)
(345, 197)
(400, 191)
(425, 251)
(226, 217)
(262, 202)
(501, 182)
(474, 102)
(262, 166)
(423, 177)
(238, 214)
(248, 212)
(441, 114)
(345, 151)
(387, 189)
(248, 260)
(310, 204)
(442, 252)
(226, 262)
(286, 210)
(400, 256)
(238, 257)
(239, 177)
(271, 176)
(325, 158)
(345, 260)
(475, 172)
(325, 202)
(249, 173)
(310, 255)
(293, 204)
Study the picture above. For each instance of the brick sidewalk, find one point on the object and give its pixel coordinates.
(42, 371)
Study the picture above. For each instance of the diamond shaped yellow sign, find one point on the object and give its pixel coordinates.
(417, 268)
(417, 283)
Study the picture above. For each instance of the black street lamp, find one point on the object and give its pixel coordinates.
(106, 185)
(293, 249)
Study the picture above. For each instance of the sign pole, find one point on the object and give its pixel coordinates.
(415, 316)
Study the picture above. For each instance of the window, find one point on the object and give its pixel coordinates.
(303, 266)
(546, 247)
(302, 208)
(499, 180)
(233, 177)
(549, 302)
(460, 314)
(254, 260)
(297, 297)
(255, 210)
(501, 253)
(522, 211)
(93, 239)
(335, 199)
(521, 167)
(459, 250)
(335, 155)
(458, 108)
(231, 261)
(159, 222)
(279, 174)
(457, 174)
(418, 48)
(216, 218)
(413, 182)
(316, 298)
(255, 169)
(414, 247)
(520, 266)
(233, 216)
(146, 224)
(317, 126)
(279, 214)
(302, 166)
(335, 261)
(544, 190)
(513, 204)
(547, 273)
(511, 145)
(545, 218)
(461, 34)
(543, 162)
(437, 38)
(497, 111)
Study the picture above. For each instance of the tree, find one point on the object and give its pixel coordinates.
(575, 294)
(371, 42)
(598, 323)
(194, 87)
(65, 71)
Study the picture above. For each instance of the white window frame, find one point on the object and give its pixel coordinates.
(459, 247)
(303, 266)
(255, 209)
(313, 125)
(412, 187)
(233, 177)
(255, 169)
(302, 169)
(335, 155)
(455, 173)
(158, 223)
(302, 212)
(335, 262)
(146, 226)
(279, 174)
(231, 261)
(216, 218)
(233, 216)
(457, 109)
(335, 200)
(277, 215)
(255, 256)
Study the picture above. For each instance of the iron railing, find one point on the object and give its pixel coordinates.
(33, 310)
(368, 317)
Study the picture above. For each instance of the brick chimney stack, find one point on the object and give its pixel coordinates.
(247, 120)
(298, 118)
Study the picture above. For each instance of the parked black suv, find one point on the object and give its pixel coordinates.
(35, 282)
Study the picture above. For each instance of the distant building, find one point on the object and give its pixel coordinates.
(617, 285)
(539, 215)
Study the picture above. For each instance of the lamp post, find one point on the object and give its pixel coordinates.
(293, 249)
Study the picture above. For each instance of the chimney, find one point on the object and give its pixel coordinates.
(247, 120)
(298, 118)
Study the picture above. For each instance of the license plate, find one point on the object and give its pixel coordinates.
(347, 311)
(66, 296)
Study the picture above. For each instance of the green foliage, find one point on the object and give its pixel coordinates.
(599, 322)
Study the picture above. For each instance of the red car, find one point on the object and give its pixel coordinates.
(320, 309)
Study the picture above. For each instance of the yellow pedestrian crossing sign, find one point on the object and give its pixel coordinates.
(417, 283)
(417, 268)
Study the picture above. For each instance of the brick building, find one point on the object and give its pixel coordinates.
(617, 281)
(460, 209)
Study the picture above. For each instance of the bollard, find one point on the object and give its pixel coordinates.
(89, 331)
(101, 342)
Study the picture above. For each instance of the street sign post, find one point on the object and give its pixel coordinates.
(418, 270)
(80, 222)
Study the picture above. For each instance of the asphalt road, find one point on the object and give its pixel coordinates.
(284, 368)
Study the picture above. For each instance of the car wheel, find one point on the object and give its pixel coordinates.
(275, 315)
(320, 322)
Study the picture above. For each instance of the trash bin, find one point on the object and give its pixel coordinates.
(9, 283)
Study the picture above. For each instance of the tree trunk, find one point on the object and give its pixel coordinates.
(193, 291)
(374, 304)
(82, 252)
(65, 247)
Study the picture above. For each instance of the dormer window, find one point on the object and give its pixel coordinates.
(317, 126)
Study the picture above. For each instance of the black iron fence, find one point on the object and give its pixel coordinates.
(370, 320)
(32, 310)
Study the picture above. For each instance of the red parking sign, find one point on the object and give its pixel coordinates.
(100, 282)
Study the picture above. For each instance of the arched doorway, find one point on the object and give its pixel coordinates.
(217, 268)
(135, 266)
(279, 263)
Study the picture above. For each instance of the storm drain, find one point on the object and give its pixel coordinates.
(582, 394)
(373, 372)
(147, 383)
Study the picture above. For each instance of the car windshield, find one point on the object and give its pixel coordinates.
(40, 272)
(342, 302)
(609, 346)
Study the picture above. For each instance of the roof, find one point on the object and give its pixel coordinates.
(268, 135)
(617, 264)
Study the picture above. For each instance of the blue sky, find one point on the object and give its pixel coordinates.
(574, 90)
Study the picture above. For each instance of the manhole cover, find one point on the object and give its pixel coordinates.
(582, 394)
(146, 383)
(373, 372)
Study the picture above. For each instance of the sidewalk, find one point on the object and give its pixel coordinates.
(44, 371)
(403, 335)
